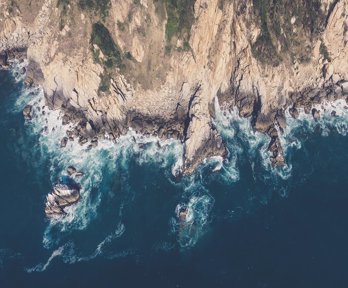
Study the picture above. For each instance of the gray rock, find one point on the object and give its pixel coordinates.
(3, 60)
(281, 120)
(344, 86)
(63, 142)
(83, 140)
(316, 114)
(27, 112)
(94, 142)
(71, 170)
(294, 112)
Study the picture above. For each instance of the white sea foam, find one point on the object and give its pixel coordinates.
(234, 128)
(198, 210)
(107, 158)
(68, 254)
(43, 266)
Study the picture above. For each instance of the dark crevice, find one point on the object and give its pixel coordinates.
(188, 117)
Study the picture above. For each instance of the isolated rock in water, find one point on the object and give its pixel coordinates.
(72, 171)
(64, 194)
(63, 142)
(316, 114)
(27, 112)
(277, 154)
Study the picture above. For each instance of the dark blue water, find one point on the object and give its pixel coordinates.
(260, 230)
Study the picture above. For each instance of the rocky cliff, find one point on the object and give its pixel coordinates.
(158, 65)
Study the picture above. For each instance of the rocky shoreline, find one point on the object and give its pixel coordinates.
(86, 132)
(108, 73)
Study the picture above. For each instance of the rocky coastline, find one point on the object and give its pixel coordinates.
(140, 77)
(249, 106)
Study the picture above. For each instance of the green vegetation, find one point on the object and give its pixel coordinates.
(121, 26)
(293, 38)
(324, 52)
(104, 84)
(63, 6)
(12, 6)
(112, 56)
(180, 17)
(102, 38)
(99, 6)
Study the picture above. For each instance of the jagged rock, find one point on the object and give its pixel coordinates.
(65, 119)
(3, 60)
(64, 142)
(83, 140)
(71, 170)
(281, 120)
(264, 122)
(344, 87)
(70, 134)
(246, 106)
(94, 142)
(277, 154)
(64, 194)
(316, 114)
(294, 112)
(27, 112)
(272, 132)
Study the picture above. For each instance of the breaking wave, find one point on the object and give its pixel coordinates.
(239, 135)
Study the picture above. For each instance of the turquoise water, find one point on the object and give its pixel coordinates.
(250, 226)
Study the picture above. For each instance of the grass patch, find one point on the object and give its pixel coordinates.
(102, 38)
(324, 52)
(295, 38)
(180, 17)
(63, 6)
(98, 6)
(104, 84)
(112, 56)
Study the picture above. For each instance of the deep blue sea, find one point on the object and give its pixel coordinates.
(249, 225)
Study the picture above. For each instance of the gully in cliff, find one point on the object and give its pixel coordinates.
(65, 193)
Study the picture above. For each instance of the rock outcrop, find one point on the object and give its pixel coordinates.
(157, 66)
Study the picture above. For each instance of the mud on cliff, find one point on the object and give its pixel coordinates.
(158, 65)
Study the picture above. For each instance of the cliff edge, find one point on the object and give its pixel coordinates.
(157, 65)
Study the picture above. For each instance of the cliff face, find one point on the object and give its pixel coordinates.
(157, 65)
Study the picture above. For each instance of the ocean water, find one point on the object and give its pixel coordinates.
(248, 224)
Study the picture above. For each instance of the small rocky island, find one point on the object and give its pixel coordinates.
(65, 193)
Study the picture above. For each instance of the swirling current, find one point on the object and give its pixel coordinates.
(248, 224)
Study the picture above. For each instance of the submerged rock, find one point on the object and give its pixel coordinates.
(63, 142)
(316, 114)
(72, 171)
(27, 112)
